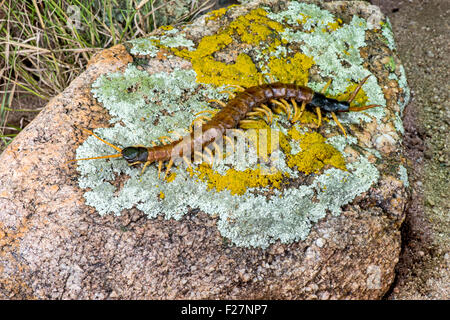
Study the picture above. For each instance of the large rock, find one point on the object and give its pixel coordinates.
(322, 228)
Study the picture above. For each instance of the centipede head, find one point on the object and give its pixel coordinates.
(135, 154)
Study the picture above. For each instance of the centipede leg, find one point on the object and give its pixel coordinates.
(145, 166)
(169, 165)
(287, 109)
(261, 79)
(221, 103)
(231, 142)
(211, 156)
(230, 93)
(326, 87)
(235, 86)
(162, 138)
(217, 150)
(319, 116)
(338, 123)
(201, 155)
(268, 113)
(160, 163)
(294, 117)
(188, 163)
(248, 122)
(133, 163)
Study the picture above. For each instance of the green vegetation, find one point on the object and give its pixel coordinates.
(45, 44)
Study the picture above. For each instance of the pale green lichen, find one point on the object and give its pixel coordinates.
(386, 31)
(151, 45)
(403, 175)
(145, 107)
(403, 84)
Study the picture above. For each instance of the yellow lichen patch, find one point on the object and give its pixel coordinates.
(314, 154)
(166, 28)
(333, 26)
(292, 69)
(303, 18)
(255, 27)
(238, 181)
(162, 195)
(242, 73)
(251, 28)
(171, 177)
(216, 14)
(260, 136)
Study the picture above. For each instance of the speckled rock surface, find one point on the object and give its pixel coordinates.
(54, 245)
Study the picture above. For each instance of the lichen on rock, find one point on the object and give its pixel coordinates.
(254, 209)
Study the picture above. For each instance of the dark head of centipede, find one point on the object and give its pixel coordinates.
(135, 154)
(328, 104)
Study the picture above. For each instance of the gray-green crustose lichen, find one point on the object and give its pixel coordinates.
(403, 175)
(145, 107)
(248, 220)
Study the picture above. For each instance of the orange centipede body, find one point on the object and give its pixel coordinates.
(231, 115)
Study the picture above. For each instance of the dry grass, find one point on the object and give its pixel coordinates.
(45, 44)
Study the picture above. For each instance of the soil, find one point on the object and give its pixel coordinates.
(421, 32)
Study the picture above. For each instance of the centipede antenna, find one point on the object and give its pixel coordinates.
(355, 92)
(106, 142)
(364, 107)
(338, 123)
(100, 157)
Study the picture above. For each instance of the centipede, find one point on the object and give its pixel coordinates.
(245, 104)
